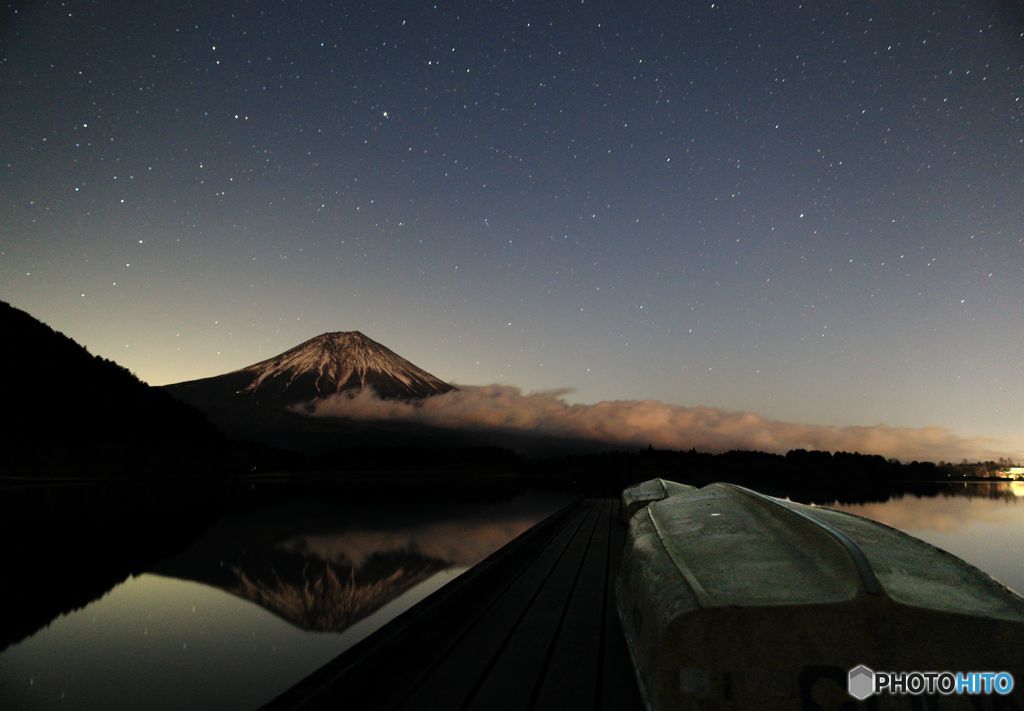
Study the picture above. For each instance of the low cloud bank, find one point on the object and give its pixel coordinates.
(642, 422)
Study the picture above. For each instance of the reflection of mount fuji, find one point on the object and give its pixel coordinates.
(316, 594)
(324, 570)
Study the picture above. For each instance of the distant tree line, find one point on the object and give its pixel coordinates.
(814, 475)
(822, 475)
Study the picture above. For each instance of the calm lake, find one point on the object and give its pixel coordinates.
(260, 598)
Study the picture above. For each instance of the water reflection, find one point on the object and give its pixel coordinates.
(226, 611)
(324, 567)
(162, 643)
(944, 514)
(251, 606)
(981, 523)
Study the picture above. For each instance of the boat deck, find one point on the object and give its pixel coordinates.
(533, 626)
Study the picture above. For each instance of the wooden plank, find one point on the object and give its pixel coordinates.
(383, 668)
(617, 681)
(569, 681)
(534, 626)
(513, 680)
(452, 679)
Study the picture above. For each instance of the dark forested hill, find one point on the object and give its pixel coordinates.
(67, 411)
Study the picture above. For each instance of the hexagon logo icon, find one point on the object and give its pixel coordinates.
(861, 682)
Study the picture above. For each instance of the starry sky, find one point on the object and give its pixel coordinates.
(812, 211)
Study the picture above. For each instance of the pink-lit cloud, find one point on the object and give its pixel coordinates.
(642, 422)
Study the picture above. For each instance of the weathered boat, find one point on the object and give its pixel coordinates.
(730, 599)
(640, 495)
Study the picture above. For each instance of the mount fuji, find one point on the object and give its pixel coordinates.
(263, 403)
(331, 363)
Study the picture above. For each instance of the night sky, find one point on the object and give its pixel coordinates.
(812, 211)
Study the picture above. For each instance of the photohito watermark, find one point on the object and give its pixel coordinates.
(864, 682)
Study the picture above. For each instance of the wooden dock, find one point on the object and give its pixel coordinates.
(534, 626)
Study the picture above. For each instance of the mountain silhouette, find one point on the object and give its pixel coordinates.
(70, 412)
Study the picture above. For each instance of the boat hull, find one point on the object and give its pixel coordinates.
(647, 492)
(788, 637)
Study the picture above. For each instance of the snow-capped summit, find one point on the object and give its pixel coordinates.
(340, 361)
